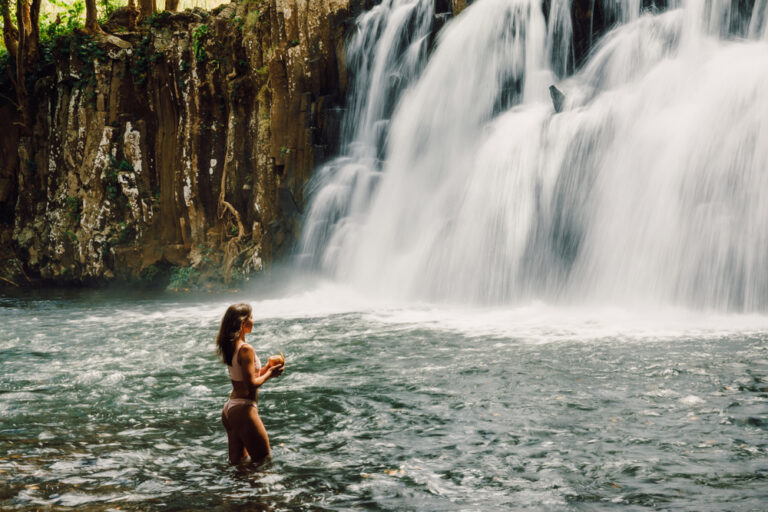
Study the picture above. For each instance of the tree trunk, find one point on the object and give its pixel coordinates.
(23, 43)
(172, 5)
(10, 33)
(91, 18)
(146, 9)
(133, 14)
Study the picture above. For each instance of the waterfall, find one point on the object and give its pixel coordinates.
(385, 54)
(651, 185)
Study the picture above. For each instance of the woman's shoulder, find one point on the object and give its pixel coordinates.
(247, 349)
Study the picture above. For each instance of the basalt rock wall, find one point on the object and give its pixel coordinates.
(188, 146)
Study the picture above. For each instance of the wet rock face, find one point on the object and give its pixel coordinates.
(191, 146)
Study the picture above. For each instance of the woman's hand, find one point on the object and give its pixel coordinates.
(277, 370)
(277, 363)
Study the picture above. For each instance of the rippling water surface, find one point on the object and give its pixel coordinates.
(111, 401)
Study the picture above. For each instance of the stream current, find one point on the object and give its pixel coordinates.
(113, 402)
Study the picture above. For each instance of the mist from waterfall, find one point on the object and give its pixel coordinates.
(649, 187)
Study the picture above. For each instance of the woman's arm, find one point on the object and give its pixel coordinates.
(248, 360)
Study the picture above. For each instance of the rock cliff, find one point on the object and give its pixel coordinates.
(180, 154)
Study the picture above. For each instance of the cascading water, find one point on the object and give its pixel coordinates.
(649, 186)
(386, 53)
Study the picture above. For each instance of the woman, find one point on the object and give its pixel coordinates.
(240, 416)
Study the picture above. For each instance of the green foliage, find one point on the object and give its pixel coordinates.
(205, 254)
(106, 248)
(183, 66)
(106, 8)
(71, 15)
(73, 208)
(126, 233)
(284, 150)
(141, 62)
(150, 273)
(238, 22)
(57, 33)
(199, 36)
(182, 277)
(157, 19)
(253, 18)
(111, 174)
(88, 52)
(294, 42)
(237, 275)
(71, 235)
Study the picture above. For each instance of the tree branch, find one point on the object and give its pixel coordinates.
(34, 18)
(10, 32)
(240, 227)
(91, 18)
(228, 157)
(12, 101)
(9, 281)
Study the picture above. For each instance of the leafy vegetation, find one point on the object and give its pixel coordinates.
(73, 208)
(150, 273)
(61, 17)
(126, 233)
(140, 64)
(199, 36)
(238, 22)
(111, 174)
(66, 17)
(88, 52)
(182, 277)
(107, 7)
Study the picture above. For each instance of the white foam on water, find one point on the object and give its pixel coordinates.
(542, 323)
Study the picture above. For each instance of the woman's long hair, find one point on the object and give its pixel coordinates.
(230, 330)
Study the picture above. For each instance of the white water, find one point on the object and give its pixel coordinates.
(649, 188)
(385, 55)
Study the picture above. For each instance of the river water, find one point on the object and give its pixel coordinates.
(113, 401)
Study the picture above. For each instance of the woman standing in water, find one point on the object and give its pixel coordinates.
(245, 431)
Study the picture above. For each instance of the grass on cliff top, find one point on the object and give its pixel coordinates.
(72, 15)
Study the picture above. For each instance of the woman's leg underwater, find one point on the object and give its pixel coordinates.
(255, 437)
(236, 447)
(247, 430)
